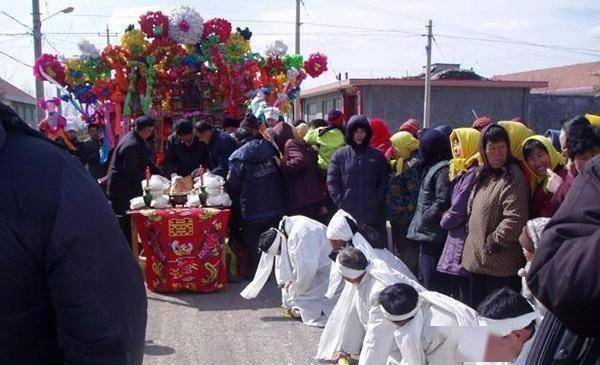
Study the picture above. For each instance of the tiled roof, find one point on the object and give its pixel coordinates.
(10, 92)
(578, 78)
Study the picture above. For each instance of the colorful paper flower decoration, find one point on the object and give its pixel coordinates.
(186, 26)
(51, 66)
(316, 64)
(155, 24)
(219, 27)
(236, 47)
(276, 49)
(133, 41)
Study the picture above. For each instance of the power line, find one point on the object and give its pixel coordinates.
(15, 59)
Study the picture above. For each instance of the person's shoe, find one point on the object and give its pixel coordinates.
(295, 313)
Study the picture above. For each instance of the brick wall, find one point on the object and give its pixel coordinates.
(546, 111)
(449, 105)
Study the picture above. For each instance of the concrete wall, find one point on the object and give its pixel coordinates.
(449, 105)
(546, 111)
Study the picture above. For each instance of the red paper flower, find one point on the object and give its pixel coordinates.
(274, 65)
(316, 64)
(155, 24)
(219, 27)
(51, 66)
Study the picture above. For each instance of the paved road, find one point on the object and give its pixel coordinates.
(223, 328)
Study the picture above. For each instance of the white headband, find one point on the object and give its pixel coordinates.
(401, 317)
(502, 327)
(348, 272)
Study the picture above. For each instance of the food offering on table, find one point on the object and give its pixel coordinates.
(180, 188)
(176, 63)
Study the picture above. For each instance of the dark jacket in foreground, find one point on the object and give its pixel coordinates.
(255, 177)
(357, 177)
(182, 159)
(565, 273)
(71, 291)
(127, 170)
(221, 146)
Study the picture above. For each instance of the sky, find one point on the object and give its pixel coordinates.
(365, 38)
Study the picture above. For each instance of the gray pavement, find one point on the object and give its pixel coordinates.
(223, 328)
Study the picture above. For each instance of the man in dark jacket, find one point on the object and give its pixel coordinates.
(128, 170)
(564, 276)
(71, 291)
(255, 179)
(184, 152)
(357, 176)
(219, 145)
(89, 152)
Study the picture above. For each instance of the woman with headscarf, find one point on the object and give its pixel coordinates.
(434, 200)
(402, 196)
(542, 160)
(517, 132)
(301, 176)
(381, 135)
(463, 170)
(498, 210)
(412, 126)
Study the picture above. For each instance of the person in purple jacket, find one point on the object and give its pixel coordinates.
(463, 170)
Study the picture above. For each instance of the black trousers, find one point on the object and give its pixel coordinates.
(251, 231)
(428, 259)
(120, 209)
(406, 249)
(483, 285)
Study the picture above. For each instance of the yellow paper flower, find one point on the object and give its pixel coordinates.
(134, 42)
(236, 46)
(75, 74)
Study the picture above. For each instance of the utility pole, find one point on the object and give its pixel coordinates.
(37, 51)
(297, 49)
(297, 106)
(427, 103)
(107, 35)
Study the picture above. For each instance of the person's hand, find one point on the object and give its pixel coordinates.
(338, 355)
(554, 181)
(277, 160)
(287, 284)
(528, 255)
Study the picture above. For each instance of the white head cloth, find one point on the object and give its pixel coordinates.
(402, 317)
(272, 113)
(348, 272)
(503, 327)
(265, 265)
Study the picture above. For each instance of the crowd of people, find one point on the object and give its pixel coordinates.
(491, 217)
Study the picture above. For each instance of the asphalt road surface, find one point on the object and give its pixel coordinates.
(223, 328)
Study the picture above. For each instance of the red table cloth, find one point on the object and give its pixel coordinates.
(185, 248)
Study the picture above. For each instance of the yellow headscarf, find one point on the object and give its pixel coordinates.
(403, 144)
(556, 159)
(594, 119)
(468, 138)
(517, 132)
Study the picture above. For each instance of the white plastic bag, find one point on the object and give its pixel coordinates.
(218, 200)
(137, 203)
(160, 202)
(157, 183)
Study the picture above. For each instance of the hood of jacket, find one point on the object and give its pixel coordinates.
(381, 133)
(355, 122)
(434, 147)
(11, 122)
(255, 150)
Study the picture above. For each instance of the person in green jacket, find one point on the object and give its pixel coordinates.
(328, 139)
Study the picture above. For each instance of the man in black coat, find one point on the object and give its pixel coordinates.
(89, 152)
(128, 170)
(220, 147)
(71, 291)
(184, 152)
(357, 176)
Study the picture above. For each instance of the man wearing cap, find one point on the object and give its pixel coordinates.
(328, 139)
(128, 168)
(425, 324)
(279, 130)
(357, 326)
(301, 254)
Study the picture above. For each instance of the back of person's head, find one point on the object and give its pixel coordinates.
(144, 122)
(250, 122)
(583, 139)
(317, 123)
(242, 134)
(353, 258)
(204, 126)
(575, 122)
(504, 303)
(230, 122)
(184, 127)
(297, 122)
(399, 299)
(267, 238)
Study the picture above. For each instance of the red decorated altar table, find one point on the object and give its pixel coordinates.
(184, 248)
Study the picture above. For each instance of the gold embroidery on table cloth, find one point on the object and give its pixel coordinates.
(181, 227)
